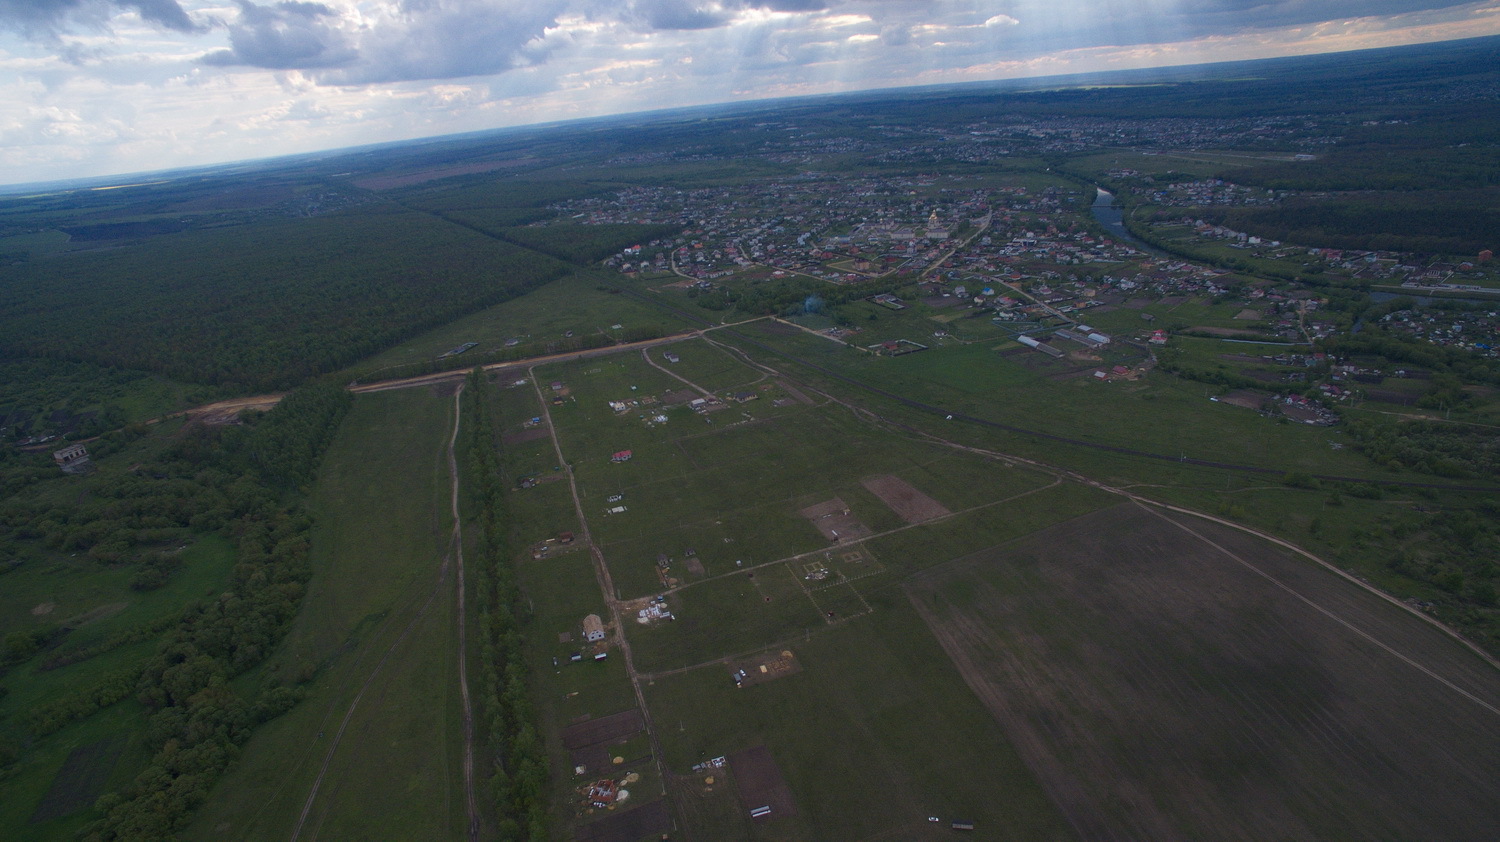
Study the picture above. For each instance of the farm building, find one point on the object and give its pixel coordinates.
(621, 456)
(1091, 339)
(593, 628)
(1039, 346)
(73, 459)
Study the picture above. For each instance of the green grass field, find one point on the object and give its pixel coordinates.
(876, 733)
(577, 302)
(375, 635)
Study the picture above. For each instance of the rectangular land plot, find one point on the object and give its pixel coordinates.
(1180, 680)
(912, 505)
(835, 521)
(761, 784)
(642, 822)
(81, 780)
(603, 729)
(727, 616)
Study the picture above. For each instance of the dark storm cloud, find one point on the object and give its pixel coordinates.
(48, 18)
(284, 36)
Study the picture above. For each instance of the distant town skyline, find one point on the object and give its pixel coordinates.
(100, 87)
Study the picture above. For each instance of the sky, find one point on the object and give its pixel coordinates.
(99, 87)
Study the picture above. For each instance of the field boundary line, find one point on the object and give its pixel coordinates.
(462, 620)
(1433, 621)
(1056, 481)
(1327, 613)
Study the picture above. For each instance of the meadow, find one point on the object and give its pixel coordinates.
(364, 649)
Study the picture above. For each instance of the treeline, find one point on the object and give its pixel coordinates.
(1454, 550)
(1469, 367)
(1223, 377)
(521, 774)
(1432, 447)
(1192, 250)
(1429, 222)
(55, 714)
(72, 655)
(196, 719)
(208, 477)
(584, 244)
(524, 351)
(265, 306)
(791, 295)
(75, 400)
(1445, 151)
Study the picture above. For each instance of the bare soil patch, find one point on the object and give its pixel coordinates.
(760, 783)
(1172, 678)
(1136, 304)
(905, 500)
(80, 781)
(1388, 396)
(794, 392)
(520, 436)
(650, 820)
(679, 396)
(1298, 413)
(835, 521)
(604, 729)
(1248, 398)
(94, 615)
(940, 302)
(1227, 331)
(44, 608)
(765, 667)
(1247, 313)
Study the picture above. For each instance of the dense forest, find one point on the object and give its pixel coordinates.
(1462, 222)
(263, 306)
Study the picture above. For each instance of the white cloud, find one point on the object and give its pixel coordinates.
(90, 86)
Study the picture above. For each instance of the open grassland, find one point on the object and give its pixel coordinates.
(875, 733)
(374, 645)
(730, 486)
(579, 303)
(976, 380)
(1171, 678)
(709, 367)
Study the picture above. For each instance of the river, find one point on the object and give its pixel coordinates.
(1112, 217)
